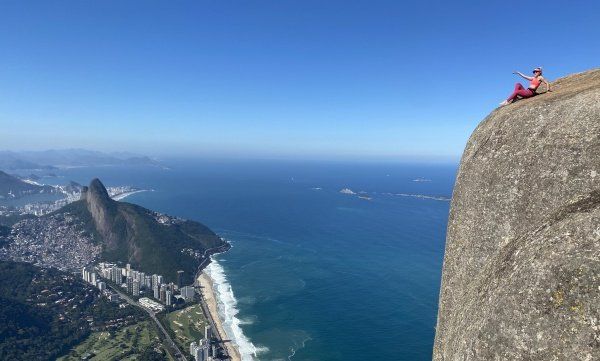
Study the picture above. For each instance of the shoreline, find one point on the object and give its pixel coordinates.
(122, 196)
(209, 303)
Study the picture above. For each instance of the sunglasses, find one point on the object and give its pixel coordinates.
(536, 71)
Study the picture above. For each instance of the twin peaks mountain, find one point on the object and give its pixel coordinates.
(150, 241)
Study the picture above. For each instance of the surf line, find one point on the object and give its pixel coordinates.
(228, 311)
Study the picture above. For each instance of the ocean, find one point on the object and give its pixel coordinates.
(330, 260)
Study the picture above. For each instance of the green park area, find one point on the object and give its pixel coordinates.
(186, 325)
(135, 342)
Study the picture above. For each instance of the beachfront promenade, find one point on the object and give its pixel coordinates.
(216, 332)
(208, 302)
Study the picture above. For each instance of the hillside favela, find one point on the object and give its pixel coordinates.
(55, 247)
(299, 181)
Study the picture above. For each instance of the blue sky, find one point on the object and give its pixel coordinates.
(382, 80)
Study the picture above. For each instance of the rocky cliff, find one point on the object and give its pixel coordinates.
(150, 241)
(103, 211)
(521, 276)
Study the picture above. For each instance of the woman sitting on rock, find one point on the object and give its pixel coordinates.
(534, 83)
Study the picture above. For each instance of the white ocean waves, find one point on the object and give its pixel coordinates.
(247, 321)
(297, 347)
(422, 196)
(122, 196)
(227, 306)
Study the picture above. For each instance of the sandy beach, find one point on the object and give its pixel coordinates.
(122, 196)
(209, 297)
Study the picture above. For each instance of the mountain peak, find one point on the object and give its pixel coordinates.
(95, 192)
(101, 207)
(132, 234)
(97, 188)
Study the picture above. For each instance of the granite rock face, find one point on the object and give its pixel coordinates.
(148, 240)
(521, 276)
(102, 209)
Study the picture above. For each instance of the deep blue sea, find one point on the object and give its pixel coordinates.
(317, 274)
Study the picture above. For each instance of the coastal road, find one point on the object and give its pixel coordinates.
(178, 354)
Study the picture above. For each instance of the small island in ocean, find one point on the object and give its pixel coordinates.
(421, 180)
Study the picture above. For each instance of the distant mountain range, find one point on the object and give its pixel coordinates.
(67, 158)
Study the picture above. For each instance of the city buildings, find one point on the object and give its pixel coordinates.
(139, 283)
(163, 293)
(207, 332)
(187, 292)
(56, 241)
(136, 288)
(201, 351)
(129, 285)
(150, 304)
(116, 275)
(105, 270)
(194, 350)
(168, 298)
(179, 279)
(133, 286)
(89, 275)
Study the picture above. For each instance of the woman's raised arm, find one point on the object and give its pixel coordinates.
(522, 75)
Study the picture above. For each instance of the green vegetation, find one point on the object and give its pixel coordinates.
(135, 342)
(186, 325)
(132, 234)
(44, 312)
(159, 246)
